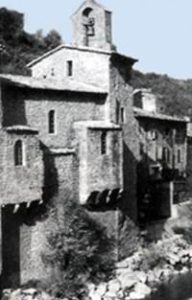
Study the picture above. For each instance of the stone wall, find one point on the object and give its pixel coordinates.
(98, 171)
(13, 106)
(120, 101)
(89, 66)
(24, 242)
(146, 100)
(104, 170)
(20, 183)
(31, 107)
(154, 135)
(101, 36)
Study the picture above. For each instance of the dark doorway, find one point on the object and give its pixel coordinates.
(10, 248)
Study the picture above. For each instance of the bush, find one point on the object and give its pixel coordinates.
(80, 250)
(129, 238)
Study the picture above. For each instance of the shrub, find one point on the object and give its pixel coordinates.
(129, 238)
(80, 250)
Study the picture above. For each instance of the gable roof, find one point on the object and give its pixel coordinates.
(68, 84)
(63, 46)
(113, 54)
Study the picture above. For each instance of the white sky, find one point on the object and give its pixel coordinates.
(157, 32)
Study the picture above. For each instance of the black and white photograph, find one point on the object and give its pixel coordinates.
(95, 150)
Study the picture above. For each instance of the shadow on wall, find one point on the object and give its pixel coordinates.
(50, 184)
(153, 191)
(16, 238)
(15, 235)
(129, 202)
(10, 248)
(13, 106)
(154, 203)
(105, 200)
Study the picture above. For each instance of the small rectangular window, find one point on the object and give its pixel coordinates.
(69, 68)
(179, 156)
(141, 149)
(122, 115)
(51, 121)
(117, 111)
(103, 142)
(18, 152)
(166, 155)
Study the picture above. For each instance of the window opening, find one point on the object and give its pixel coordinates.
(51, 121)
(69, 68)
(178, 156)
(52, 72)
(152, 134)
(89, 24)
(18, 153)
(103, 142)
(122, 115)
(117, 111)
(166, 155)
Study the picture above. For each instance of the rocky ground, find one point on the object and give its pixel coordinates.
(136, 277)
(140, 275)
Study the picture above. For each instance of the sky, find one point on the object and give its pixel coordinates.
(157, 32)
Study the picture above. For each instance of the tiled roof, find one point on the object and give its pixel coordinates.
(138, 112)
(68, 84)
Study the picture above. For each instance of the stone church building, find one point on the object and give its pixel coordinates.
(68, 129)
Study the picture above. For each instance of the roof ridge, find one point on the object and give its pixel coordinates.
(67, 46)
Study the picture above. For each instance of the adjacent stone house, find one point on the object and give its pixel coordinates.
(70, 130)
(163, 155)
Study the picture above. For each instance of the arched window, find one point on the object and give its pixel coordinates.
(103, 142)
(51, 121)
(18, 153)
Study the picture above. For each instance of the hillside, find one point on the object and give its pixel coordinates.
(17, 47)
(176, 94)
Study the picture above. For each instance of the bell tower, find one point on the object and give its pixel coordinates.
(92, 26)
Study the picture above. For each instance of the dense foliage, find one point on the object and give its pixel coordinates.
(80, 250)
(17, 47)
(176, 94)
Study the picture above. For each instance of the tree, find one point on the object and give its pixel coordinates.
(80, 249)
(11, 25)
(53, 39)
(18, 47)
